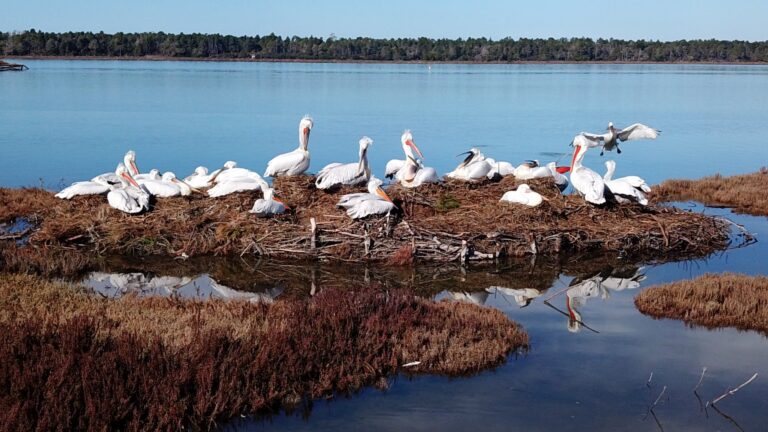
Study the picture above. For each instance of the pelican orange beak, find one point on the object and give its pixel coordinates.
(306, 132)
(188, 185)
(287, 207)
(575, 154)
(130, 180)
(134, 167)
(562, 169)
(380, 192)
(411, 144)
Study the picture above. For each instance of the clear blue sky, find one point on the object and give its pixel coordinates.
(642, 19)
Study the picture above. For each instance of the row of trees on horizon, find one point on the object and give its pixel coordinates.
(38, 43)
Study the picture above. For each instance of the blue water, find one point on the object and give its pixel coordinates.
(63, 121)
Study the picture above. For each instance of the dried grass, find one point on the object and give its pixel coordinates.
(434, 221)
(72, 361)
(711, 300)
(744, 193)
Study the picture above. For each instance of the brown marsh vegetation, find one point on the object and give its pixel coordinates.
(744, 193)
(73, 361)
(426, 228)
(712, 300)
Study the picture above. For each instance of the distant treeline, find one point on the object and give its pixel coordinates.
(196, 45)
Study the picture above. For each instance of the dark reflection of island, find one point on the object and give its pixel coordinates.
(519, 280)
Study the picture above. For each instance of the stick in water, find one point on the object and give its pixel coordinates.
(731, 392)
(703, 371)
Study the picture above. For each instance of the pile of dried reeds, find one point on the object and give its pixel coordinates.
(744, 193)
(711, 300)
(72, 361)
(440, 222)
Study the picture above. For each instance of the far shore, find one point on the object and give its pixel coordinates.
(426, 62)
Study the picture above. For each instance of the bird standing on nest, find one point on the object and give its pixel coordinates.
(295, 162)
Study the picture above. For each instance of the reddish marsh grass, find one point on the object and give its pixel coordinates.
(744, 193)
(712, 300)
(72, 361)
(432, 223)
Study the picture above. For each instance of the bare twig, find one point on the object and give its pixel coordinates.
(732, 391)
(703, 371)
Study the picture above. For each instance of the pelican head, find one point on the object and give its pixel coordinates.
(230, 164)
(125, 176)
(610, 126)
(305, 126)
(473, 153)
(365, 142)
(524, 188)
(373, 184)
(201, 171)
(130, 162)
(409, 147)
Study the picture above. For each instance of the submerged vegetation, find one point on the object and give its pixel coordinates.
(712, 300)
(744, 193)
(73, 361)
(471, 224)
(216, 46)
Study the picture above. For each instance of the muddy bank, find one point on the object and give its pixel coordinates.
(712, 300)
(443, 222)
(73, 361)
(743, 193)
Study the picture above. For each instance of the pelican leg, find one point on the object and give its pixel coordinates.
(618, 150)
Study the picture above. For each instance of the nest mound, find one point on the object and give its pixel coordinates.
(438, 222)
(69, 360)
(711, 300)
(744, 193)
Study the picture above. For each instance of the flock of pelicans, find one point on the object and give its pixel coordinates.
(129, 191)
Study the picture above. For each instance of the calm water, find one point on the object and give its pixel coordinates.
(64, 121)
(70, 120)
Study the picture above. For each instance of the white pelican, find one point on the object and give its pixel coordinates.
(201, 178)
(474, 167)
(295, 162)
(132, 198)
(585, 181)
(375, 202)
(523, 195)
(269, 205)
(166, 186)
(230, 170)
(624, 193)
(350, 174)
(97, 186)
(238, 184)
(128, 160)
(613, 136)
(411, 172)
(130, 164)
(530, 170)
(561, 181)
(499, 168)
(634, 181)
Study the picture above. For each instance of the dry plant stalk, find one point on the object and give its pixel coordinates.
(433, 223)
(744, 193)
(69, 360)
(711, 300)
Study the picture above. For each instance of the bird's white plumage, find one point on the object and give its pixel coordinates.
(237, 184)
(561, 181)
(474, 167)
(585, 181)
(637, 131)
(94, 187)
(634, 181)
(295, 162)
(268, 205)
(393, 166)
(130, 197)
(375, 202)
(201, 178)
(349, 174)
(624, 192)
(523, 195)
(499, 168)
(613, 136)
(163, 187)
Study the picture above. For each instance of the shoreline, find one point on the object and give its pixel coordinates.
(350, 61)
